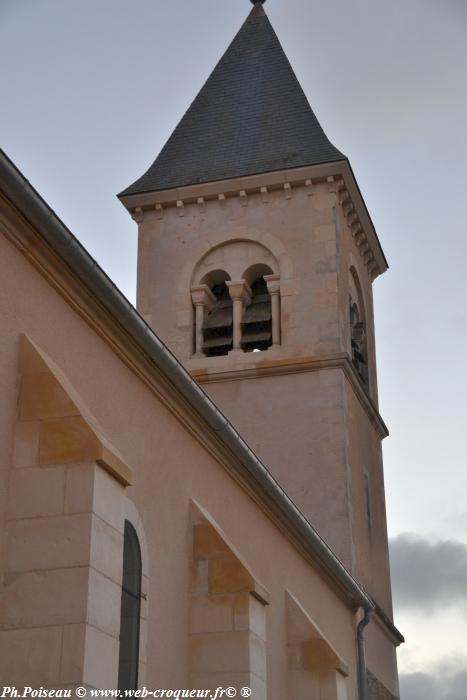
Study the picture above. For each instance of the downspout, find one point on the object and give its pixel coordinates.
(362, 675)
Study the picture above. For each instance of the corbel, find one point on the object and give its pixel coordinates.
(265, 195)
(201, 205)
(360, 237)
(138, 215)
(288, 190)
(180, 207)
(356, 228)
(243, 198)
(348, 209)
(352, 218)
(344, 196)
(309, 187)
(332, 185)
(221, 198)
(159, 211)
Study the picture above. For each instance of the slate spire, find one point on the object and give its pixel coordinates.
(250, 117)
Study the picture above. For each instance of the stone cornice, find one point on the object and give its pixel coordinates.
(339, 177)
(295, 365)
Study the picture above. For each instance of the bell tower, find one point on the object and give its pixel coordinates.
(256, 261)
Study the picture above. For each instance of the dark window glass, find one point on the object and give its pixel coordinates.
(130, 611)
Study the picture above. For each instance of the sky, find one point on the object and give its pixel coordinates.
(93, 88)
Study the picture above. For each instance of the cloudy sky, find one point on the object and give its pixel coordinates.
(91, 91)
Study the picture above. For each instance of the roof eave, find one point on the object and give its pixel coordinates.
(340, 170)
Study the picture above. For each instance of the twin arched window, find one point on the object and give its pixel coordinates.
(222, 329)
(130, 611)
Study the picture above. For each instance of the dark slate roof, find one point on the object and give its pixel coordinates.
(250, 117)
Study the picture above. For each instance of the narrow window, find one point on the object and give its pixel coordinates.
(257, 325)
(257, 322)
(130, 611)
(358, 340)
(218, 323)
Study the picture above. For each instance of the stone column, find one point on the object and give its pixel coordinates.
(240, 293)
(274, 288)
(203, 300)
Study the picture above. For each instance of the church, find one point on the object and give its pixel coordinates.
(191, 491)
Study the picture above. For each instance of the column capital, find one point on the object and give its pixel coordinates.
(201, 295)
(273, 283)
(240, 290)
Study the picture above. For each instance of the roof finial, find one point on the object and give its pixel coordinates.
(257, 2)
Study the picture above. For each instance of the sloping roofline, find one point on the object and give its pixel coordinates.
(251, 116)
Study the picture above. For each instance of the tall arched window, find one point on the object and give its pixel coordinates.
(358, 340)
(130, 611)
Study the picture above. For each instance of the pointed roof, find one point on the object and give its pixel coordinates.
(250, 117)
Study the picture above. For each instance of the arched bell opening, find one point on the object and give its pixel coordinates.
(257, 334)
(218, 320)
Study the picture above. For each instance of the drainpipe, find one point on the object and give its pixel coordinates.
(362, 677)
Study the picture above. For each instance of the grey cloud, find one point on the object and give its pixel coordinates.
(428, 574)
(447, 682)
(418, 686)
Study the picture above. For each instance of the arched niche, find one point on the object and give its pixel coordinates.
(358, 327)
(216, 319)
(257, 326)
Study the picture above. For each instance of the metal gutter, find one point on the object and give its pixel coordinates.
(31, 205)
(361, 657)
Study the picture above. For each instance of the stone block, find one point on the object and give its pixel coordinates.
(42, 396)
(224, 652)
(101, 659)
(79, 488)
(36, 599)
(208, 544)
(36, 492)
(30, 656)
(106, 553)
(104, 600)
(199, 577)
(67, 440)
(258, 687)
(26, 444)
(295, 657)
(250, 613)
(108, 502)
(211, 613)
(229, 576)
(303, 685)
(72, 662)
(258, 656)
(48, 543)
